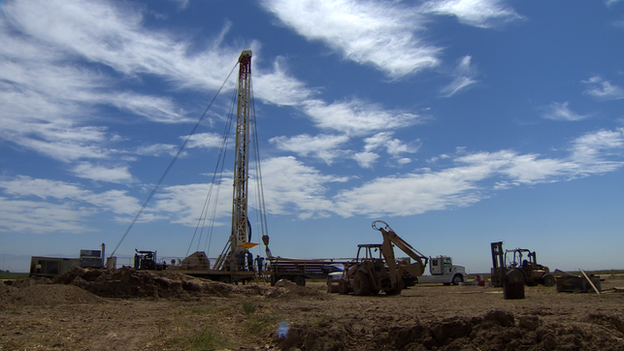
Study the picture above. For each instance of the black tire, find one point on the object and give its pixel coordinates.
(361, 284)
(225, 279)
(299, 280)
(514, 276)
(549, 280)
(458, 279)
(343, 287)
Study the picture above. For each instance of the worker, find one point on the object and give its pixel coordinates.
(259, 262)
(250, 261)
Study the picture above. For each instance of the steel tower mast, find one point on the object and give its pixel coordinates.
(240, 223)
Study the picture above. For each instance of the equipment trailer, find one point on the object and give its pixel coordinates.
(298, 270)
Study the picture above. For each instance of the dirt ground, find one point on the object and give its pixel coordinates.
(129, 310)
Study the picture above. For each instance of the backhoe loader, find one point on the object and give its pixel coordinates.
(376, 269)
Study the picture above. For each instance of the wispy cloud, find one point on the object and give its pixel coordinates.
(46, 206)
(561, 112)
(464, 74)
(478, 13)
(357, 118)
(294, 188)
(466, 182)
(46, 89)
(205, 140)
(277, 87)
(603, 89)
(325, 147)
(297, 188)
(393, 146)
(156, 150)
(101, 173)
(44, 96)
(366, 159)
(381, 34)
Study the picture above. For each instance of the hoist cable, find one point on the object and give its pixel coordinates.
(162, 177)
(220, 162)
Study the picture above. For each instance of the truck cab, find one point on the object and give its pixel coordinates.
(443, 271)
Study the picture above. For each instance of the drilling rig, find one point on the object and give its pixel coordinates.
(234, 264)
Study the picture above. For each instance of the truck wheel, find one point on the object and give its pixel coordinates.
(514, 276)
(300, 280)
(225, 279)
(457, 279)
(361, 284)
(549, 280)
(343, 287)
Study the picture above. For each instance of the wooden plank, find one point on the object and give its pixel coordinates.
(590, 282)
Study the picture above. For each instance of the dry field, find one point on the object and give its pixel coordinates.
(129, 310)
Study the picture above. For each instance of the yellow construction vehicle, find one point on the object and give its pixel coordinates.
(375, 267)
(518, 265)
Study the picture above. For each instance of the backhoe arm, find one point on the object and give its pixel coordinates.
(420, 261)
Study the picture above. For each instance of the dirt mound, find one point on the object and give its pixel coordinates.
(53, 294)
(41, 292)
(129, 283)
(496, 330)
(6, 292)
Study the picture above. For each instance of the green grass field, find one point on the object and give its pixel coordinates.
(5, 275)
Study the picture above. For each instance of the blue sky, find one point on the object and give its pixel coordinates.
(458, 122)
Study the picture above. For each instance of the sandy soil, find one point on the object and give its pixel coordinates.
(129, 310)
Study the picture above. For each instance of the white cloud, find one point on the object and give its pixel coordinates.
(466, 182)
(478, 13)
(325, 147)
(41, 217)
(46, 89)
(356, 117)
(408, 195)
(205, 140)
(382, 34)
(103, 174)
(366, 159)
(278, 88)
(602, 89)
(561, 112)
(590, 151)
(184, 203)
(393, 146)
(155, 109)
(291, 187)
(156, 150)
(61, 206)
(464, 74)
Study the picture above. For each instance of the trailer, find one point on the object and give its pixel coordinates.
(50, 267)
(298, 270)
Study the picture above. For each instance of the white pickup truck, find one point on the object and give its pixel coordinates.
(442, 271)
